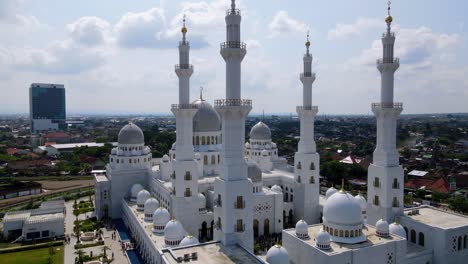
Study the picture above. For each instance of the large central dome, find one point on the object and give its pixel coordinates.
(260, 132)
(131, 134)
(206, 119)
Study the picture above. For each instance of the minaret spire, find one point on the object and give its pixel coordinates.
(385, 175)
(184, 31)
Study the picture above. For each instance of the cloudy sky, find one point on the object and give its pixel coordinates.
(117, 56)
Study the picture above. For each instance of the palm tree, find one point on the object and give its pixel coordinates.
(80, 254)
(104, 254)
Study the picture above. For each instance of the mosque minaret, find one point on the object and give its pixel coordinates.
(385, 175)
(306, 159)
(233, 189)
(186, 173)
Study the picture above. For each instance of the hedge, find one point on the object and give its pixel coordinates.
(29, 247)
(99, 243)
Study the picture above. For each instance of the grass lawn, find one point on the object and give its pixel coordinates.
(36, 256)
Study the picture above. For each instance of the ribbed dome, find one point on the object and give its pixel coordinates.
(131, 134)
(382, 228)
(362, 201)
(276, 188)
(165, 158)
(260, 132)
(302, 229)
(136, 188)
(188, 241)
(142, 196)
(161, 217)
(330, 192)
(277, 255)
(254, 172)
(150, 206)
(206, 119)
(323, 239)
(342, 209)
(397, 229)
(174, 231)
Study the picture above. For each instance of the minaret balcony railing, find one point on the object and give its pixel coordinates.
(308, 74)
(184, 67)
(187, 43)
(387, 105)
(392, 34)
(233, 45)
(307, 108)
(388, 60)
(233, 102)
(231, 11)
(183, 106)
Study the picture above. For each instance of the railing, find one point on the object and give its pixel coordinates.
(384, 60)
(306, 108)
(231, 11)
(239, 228)
(233, 45)
(239, 204)
(387, 105)
(386, 33)
(217, 202)
(184, 106)
(183, 66)
(233, 102)
(308, 74)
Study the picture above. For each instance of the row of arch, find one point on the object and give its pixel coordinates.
(130, 160)
(343, 233)
(311, 166)
(414, 237)
(206, 140)
(214, 160)
(266, 227)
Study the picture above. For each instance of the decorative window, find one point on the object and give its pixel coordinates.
(213, 160)
(376, 200)
(413, 236)
(299, 178)
(312, 179)
(312, 166)
(421, 239)
(299, 165)
(187, 192)
(205, 160)
(188, 176)
(377, 182)
(395, 202)
(396, 184)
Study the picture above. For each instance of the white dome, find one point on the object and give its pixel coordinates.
(273, 145)
(165, 158)
(206, 119)
(114, 151)
(323, 238)
(188, 241)
(131, 134)
(330, 192)
(161, 216)
(174, 231)
(302, 229)
(142, 196)
(267, 146)
(260, 132)
(253, 171)
(150, 206)
(136, 188)
(264, 153)
(397, 229)
(382, 228)
(362, 201)
(247, 144)
(277, 255)
(146, 150)
(342, 209)
(276, 188)
(197, 156)
(173, 146)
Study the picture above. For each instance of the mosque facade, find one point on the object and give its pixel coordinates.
(209, 198)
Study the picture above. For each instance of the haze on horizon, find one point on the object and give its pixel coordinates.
(121, 59)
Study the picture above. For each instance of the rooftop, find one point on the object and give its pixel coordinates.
(437, 218)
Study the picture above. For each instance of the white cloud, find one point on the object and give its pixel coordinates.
(282, 24)
(11, 14)
(358, 27)
(90, 31)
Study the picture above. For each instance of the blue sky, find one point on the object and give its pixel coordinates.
(118, 56)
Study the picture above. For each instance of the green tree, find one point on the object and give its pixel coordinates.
(334, 171)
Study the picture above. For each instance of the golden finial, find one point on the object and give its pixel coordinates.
(342, 186)
(308, 41)
(184, 29)
(389, 18)
(277, 244)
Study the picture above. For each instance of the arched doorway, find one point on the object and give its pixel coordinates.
(284, 219)
(290, 218)
(204, 232)
(210, 236)
(266, 227)
(255, 228)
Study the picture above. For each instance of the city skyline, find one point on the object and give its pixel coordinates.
(121, 60)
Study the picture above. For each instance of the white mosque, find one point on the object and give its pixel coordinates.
(213, 193)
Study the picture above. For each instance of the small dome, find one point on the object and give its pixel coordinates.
(142, 196)
(382, 228)
(165, 158)
(188, 241)
(161, 217)
(276, 188)
(323, 239)
(254, 172)
(206, 119)
(260, 132)
(302, 229)
(362, 201)
(264, 153)
(330, 192)
(247, 144)
(397, 229)
(173, 146)
(114, 151)
(131, 134)
(136, 188)
(277, 255)
(342, 209)
(174, 231)
(150, 206)
(273, 145)
(197, 156)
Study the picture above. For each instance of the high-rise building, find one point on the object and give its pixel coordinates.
(47, 107)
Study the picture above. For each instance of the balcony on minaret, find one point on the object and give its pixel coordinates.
(312, 108)
(233, 45)
(233, 102)
(183, 106)
(388, 60)
(233, 12)
(381, 106)
(183, 67)
(308, 74)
